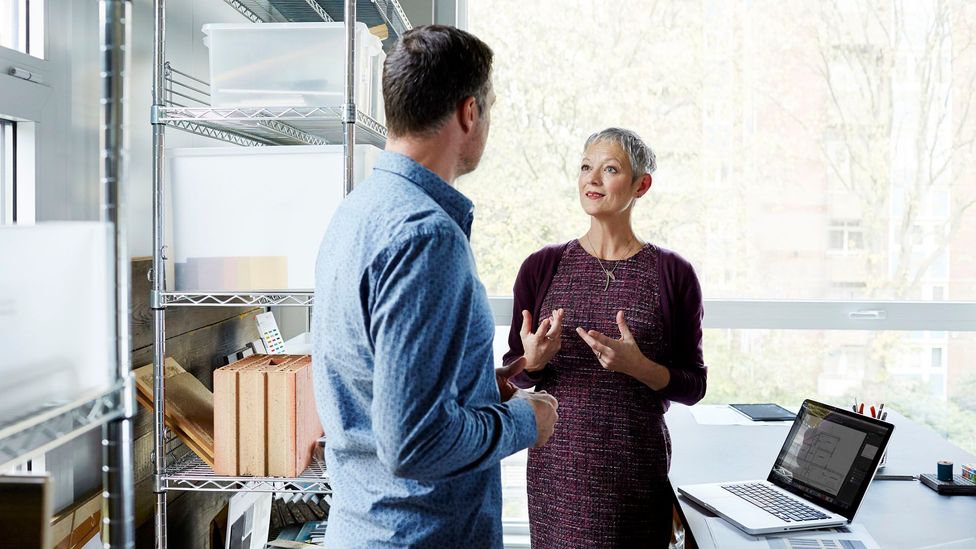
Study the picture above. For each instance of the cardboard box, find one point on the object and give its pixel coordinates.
(265, 420)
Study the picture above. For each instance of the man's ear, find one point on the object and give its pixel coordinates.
(645, 185)
(467, 114)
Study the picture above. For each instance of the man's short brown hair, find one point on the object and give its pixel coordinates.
(430, 70)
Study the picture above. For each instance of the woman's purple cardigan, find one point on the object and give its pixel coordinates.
(682, 311)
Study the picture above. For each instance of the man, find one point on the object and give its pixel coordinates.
(411, 407)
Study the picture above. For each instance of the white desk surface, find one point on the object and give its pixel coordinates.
(898, 514)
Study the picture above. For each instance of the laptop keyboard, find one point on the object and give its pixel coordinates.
(773, 502)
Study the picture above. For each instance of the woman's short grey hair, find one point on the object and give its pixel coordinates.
(642, 158)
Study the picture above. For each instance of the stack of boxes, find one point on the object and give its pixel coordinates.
(265, 421)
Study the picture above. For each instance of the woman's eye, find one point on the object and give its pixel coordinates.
(611, 169)
(584, 167)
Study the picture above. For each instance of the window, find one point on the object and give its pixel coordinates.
(20, 26)
(846, 237)
(13, 24)
(8, 163)
(814, 163)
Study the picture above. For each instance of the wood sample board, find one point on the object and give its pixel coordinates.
(265, 420)
(189, 406)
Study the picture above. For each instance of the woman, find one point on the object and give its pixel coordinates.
(632, 344)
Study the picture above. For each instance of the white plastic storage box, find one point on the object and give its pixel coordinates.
(291, 65)
(57, 315)
(252, 218)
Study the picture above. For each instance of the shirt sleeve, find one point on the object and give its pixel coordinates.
(687, 369)
(524, 299)
(421, 311)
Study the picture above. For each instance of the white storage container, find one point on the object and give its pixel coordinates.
(57, 314)
(252, 218)
(290, 65)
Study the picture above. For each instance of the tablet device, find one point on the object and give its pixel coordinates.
(764, 412)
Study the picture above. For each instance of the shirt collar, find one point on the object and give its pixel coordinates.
(457, 206)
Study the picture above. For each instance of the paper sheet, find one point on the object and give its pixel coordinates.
(851, 536)
(721, 414)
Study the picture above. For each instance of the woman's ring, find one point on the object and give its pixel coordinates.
(598, 355)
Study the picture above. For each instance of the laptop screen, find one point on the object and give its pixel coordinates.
(830, 456)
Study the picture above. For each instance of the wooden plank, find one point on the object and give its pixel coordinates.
(226, 427)
(179, 320)
(293, 425)
(189, 406)
(252, 422)
(281, 424)
(309, 425)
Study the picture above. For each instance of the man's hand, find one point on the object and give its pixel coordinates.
(545, 406)
(540, 346)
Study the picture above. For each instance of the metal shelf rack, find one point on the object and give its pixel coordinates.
(187, 107)
(56, 424)
(111, 409)
(192, 474)
(234, 299)
(369, 12)
(182, 101)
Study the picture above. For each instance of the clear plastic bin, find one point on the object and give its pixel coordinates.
(291, 65)
(57, 314)
(252, 218)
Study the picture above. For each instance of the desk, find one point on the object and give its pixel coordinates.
(898, 514)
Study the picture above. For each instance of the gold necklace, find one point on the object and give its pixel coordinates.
(608, 272)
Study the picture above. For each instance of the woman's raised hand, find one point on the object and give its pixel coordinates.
(540, 346)
(617, 355)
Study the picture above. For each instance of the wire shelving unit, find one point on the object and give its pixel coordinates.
(182, 101)
(112, 409)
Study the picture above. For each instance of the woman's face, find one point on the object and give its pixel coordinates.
(606, 180)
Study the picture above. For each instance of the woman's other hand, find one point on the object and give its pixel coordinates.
(540, 346)
(624, 356)
(506, 388)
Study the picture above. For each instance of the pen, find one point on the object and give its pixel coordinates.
(880, 408)
(860, 410)
(884, 416)
(872, 412)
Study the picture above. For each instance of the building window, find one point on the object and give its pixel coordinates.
(809, 205)
(846, 237)
(13, 24)
(8, 181)
(21, 26)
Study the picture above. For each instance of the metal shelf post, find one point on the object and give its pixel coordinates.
(158, 274)
(349, 118)
(118, 528)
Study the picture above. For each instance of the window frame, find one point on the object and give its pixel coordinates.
(8, 172)
(30, 32)
(783, 314)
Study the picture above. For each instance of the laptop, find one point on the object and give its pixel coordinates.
(818, 479)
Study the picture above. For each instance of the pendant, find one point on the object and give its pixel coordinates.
(609, 278)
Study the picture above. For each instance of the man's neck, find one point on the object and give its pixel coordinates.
(436, 153)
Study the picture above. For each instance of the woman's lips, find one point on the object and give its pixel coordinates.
(594, 196)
